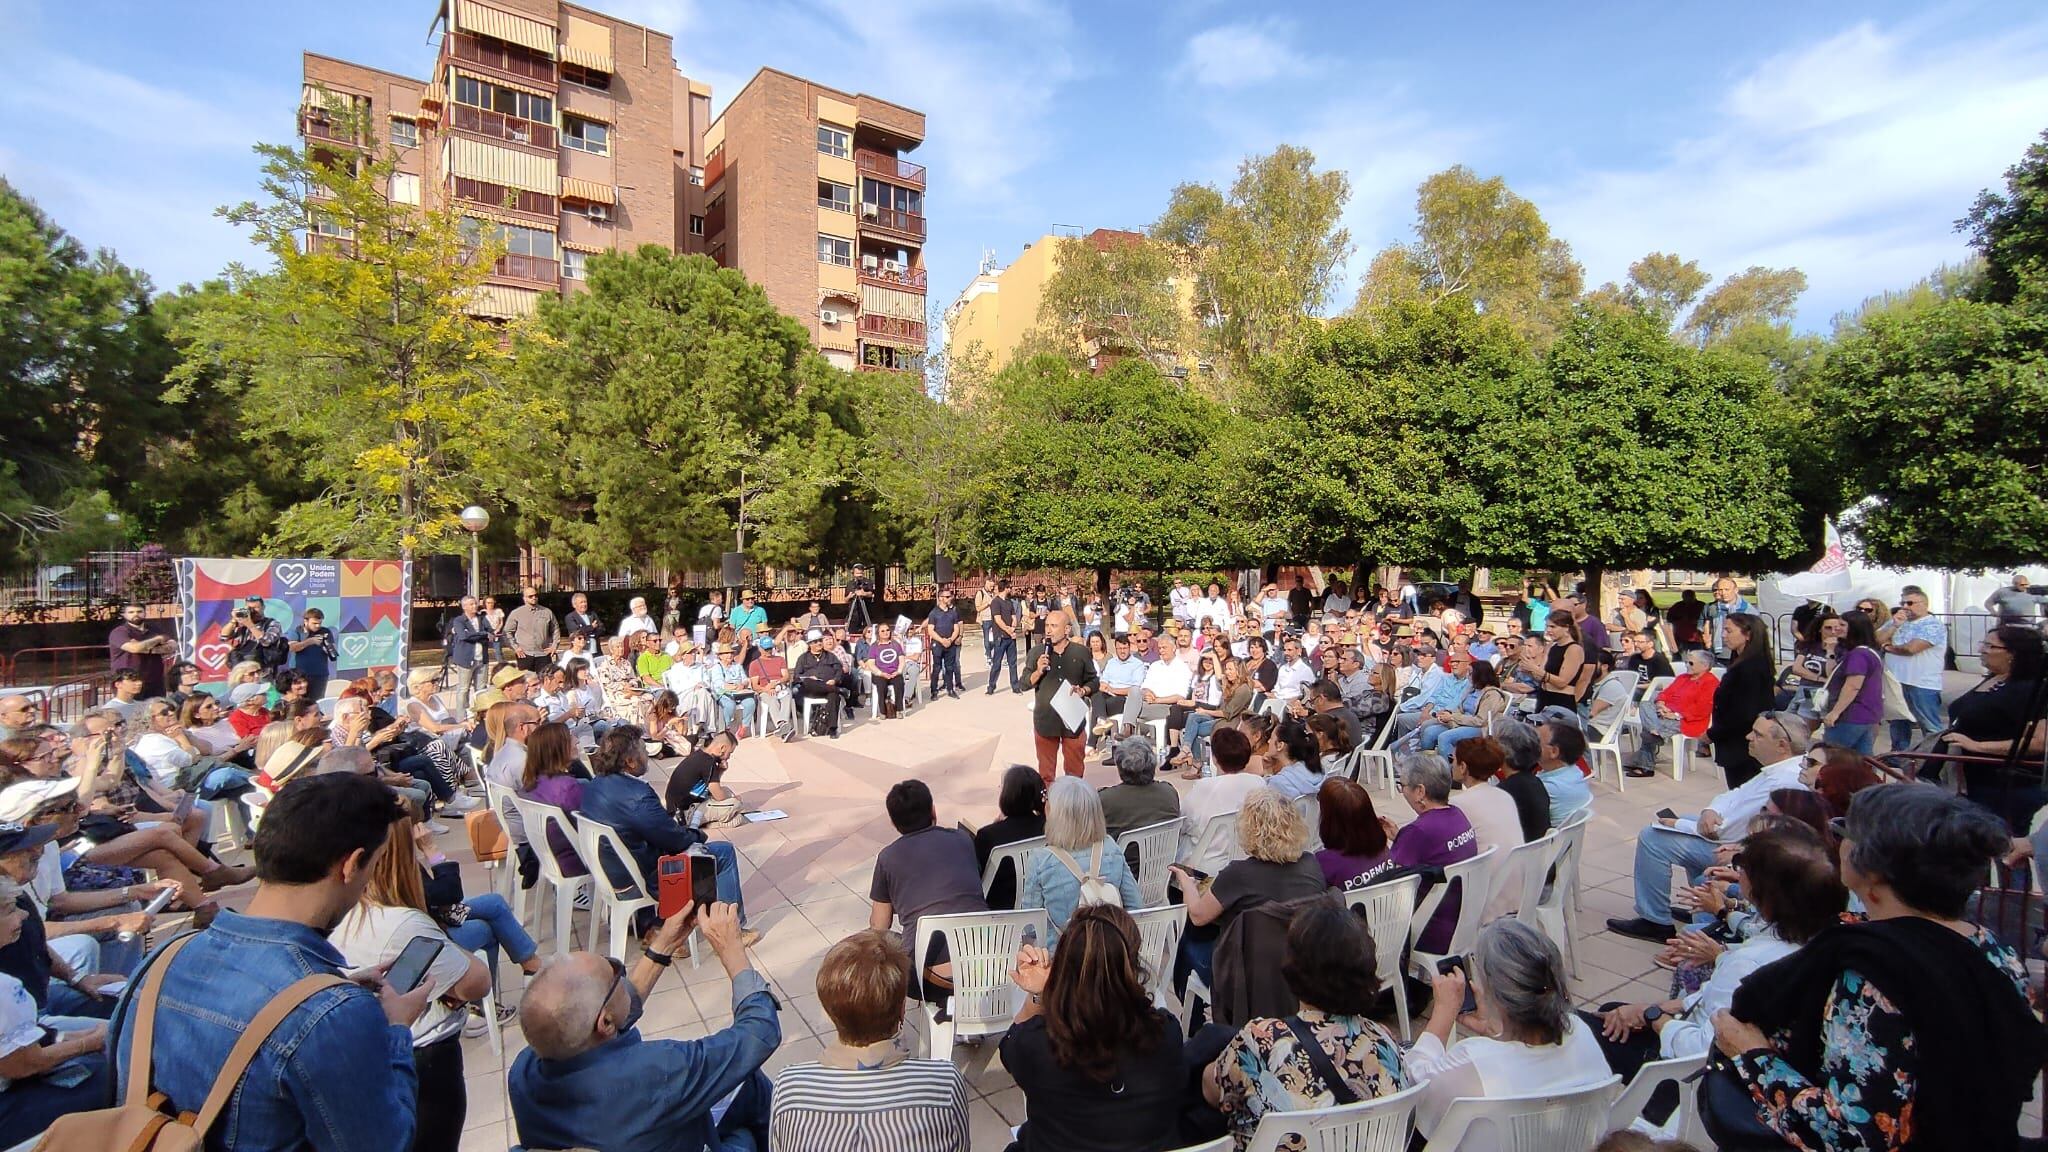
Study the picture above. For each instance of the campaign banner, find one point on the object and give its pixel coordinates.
(365, 603)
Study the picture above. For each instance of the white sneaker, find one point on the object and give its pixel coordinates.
(582, 899)
(437, 828)
(464, 802)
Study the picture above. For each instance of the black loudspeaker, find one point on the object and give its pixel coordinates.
(942, 569)
(732, 568)
(446, 579)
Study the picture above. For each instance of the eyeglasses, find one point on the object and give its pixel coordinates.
(618, 977)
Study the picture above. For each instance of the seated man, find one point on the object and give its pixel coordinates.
(818, 677)
(926, 870)
(63, 980)
(699, 778)
(1639, 655)
(618, 797)
(587, 1078)
(1168, 681)
(1295, 674)
(1121, 675)
(1560, 746)
(1442, 691)
(1778, 741)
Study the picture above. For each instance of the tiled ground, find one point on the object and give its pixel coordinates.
(806, 881)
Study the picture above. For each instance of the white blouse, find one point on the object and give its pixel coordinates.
(1479, 1066)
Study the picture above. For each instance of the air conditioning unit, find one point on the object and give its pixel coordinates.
(829, 316)
(892, 266)
(870, 211)
(602, 213)
(870, 262)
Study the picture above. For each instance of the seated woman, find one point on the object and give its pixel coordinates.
(867, 1089)
(1332, 736)
(1293, 766)
(351, 729)
(1139, 797)
(618, 797)
(733, 688)
(203, 719)
(1684, 707)
(883, 661)
(1237, 691)
(1523, 1040)
(1482, 702)
(428, 711)
(1279, 1065)
(1990, 718)
(549, 779)
(1077, 846)
(481, 923)
(1496, 823)
(1789, 878)
(117, 783)
(177, 761)
(393, 912)
(1440, 834)
(49, 1073)
(1911, 1027)
(1355, 849)
(1276, 866)
(1022, 804)
(1100, 1067)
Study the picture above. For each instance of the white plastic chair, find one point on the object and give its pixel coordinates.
(1377, 761)
(611, 904)
(1311, 810)
(981, 947)
(1557, 909)
(1681, 744)
(1545, 1122)
(536, 817)
(490, 1006)
(1159, 933)
(1389, 917)
(1470, 878)
(1606, 747)
(1017, 853)
(1219, 1144)
(1378, 1125)
(1527, 866)
(505, 872)
(1217, 839)
(1156, 846)
(1683, 1124)
(805, 705)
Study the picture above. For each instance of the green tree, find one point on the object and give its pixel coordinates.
(1755, 296)
(1265, 256)
(358, 344)
(1660, 284)
(2010, 231)
(1478, 239)
(919, 458)
(1122, 470)
(1630, 449)
(1937, 412)
(82, 354)
(695, 414)
(1118, 296)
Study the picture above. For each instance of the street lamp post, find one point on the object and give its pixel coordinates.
(474, 521)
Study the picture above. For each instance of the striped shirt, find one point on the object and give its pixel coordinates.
(911, 1106)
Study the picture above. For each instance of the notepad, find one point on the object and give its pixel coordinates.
(770, 814)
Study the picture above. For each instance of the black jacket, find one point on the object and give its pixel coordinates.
(1745, 693)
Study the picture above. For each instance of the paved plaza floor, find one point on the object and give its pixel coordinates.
(806, 880)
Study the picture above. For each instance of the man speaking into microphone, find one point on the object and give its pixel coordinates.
(1061, 663)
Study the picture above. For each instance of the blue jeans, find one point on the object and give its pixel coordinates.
(491, 925)
(1005, 650)
(31, 1105)
(1657, 849)
(743, 706)
(1448, 738)
(1194, 736)
(728, 872)
(945, 668)
(1861, 737)
(226, 780)
(1925, 704)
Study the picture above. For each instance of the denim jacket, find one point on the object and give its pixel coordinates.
(335, 1076)
(632, 1094)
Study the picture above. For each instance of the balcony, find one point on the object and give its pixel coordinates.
(499, 196)
(315, 124)
(907, 280)
(498, 126)
(886, 167)
(714, 218)
(535, 268)
(714, 167)
(892, 328)
(507, 59)
(875, 218)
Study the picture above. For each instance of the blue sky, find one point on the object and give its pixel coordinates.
(1841, 138)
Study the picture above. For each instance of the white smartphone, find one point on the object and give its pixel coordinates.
(162, 901)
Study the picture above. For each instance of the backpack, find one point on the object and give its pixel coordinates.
(1095, 889)
(141, 1122)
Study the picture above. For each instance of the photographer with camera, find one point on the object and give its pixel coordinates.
(251, 635)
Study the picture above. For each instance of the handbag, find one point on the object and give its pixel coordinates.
(1728, 1112)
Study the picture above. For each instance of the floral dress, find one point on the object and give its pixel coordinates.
(1869, 1064)
(1263, 1069)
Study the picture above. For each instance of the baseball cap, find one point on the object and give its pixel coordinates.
(243, 693)
(815, 634)
(16, 838)
(1559, 714)
(19, 801)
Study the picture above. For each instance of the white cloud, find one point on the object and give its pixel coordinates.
(1850, 158)
(1242, 55)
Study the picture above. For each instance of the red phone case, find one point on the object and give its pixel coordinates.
(674, 895)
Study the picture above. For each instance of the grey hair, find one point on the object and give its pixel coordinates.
(1928, 844)
(9, 893)
(1137, 762)
(1705, 657)
(1519, 744)
(1428, 771)
(1073, 815)
(1521, 974)
(347, 758)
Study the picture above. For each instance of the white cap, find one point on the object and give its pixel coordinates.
(815, 634)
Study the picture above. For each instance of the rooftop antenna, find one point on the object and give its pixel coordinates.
(988, 260)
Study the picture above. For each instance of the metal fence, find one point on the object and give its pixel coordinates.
(1966, 632)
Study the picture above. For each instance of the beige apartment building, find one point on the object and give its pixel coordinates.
(569, 131)
(998, 309)
(808, 194)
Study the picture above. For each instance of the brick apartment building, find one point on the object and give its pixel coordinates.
(575, 133)
(789, 160)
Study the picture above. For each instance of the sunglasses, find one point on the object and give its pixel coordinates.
(618, 977)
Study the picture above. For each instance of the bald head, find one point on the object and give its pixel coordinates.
(560, 1008)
